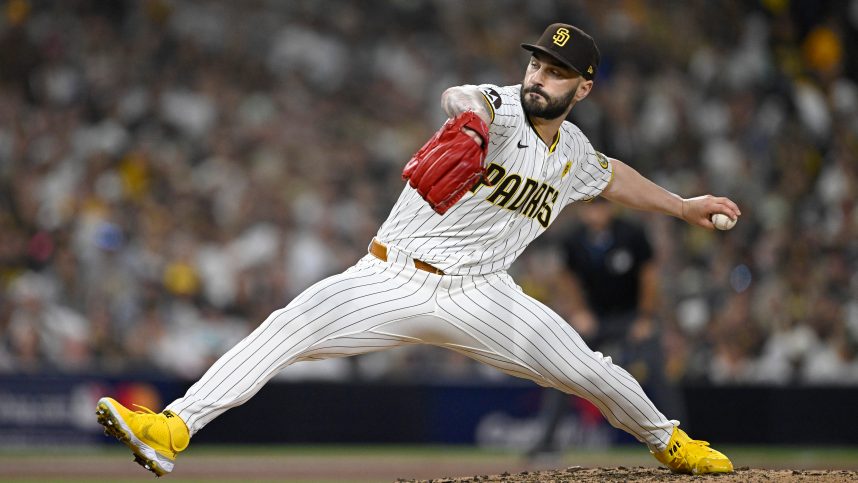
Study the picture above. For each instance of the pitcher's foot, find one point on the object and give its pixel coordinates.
(686, 455)
(155, 439)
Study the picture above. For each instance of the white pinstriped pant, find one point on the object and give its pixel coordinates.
(376, 305)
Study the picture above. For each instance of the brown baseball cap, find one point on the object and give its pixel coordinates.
(570, 46)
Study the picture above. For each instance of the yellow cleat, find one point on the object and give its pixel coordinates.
(686, 455)
(155, 439)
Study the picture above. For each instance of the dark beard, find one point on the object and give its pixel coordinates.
(553, 109)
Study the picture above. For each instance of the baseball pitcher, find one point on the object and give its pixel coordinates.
(489, 182)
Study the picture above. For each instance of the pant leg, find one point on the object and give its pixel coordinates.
(650, 354)
(524, 338)
(334, 318)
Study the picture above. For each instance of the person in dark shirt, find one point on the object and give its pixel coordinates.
(614, 285)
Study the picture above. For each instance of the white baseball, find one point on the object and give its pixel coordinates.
(723, 222)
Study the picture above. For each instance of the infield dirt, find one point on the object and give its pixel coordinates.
(642, 474)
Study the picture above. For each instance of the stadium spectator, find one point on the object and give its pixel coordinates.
(165, 167)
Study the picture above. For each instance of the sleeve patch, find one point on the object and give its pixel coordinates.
(603, 161)
(492, 96)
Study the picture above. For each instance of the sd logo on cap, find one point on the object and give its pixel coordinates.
(561, 36)
(570, 46)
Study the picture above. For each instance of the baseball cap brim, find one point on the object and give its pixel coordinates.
(553, 55)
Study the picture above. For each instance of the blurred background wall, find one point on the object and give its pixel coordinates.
(173, 171)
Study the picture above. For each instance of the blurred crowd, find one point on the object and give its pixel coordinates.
(173, 171)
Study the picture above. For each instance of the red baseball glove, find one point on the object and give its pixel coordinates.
(450, 163)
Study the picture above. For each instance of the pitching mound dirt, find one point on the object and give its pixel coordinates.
(642, 474)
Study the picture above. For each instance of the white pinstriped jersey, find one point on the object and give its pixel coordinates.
(381, 304)
(530, 183)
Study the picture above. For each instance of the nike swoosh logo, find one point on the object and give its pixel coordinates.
(521, 146)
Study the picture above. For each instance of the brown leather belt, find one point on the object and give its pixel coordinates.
(378, 250)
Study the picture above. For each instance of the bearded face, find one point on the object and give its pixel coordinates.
(538, 103)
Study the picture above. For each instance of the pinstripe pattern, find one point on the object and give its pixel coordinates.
(476, 237)
(332, 315)
(476, 309)
(378, 305)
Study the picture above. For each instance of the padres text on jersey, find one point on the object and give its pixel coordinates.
(531, 181)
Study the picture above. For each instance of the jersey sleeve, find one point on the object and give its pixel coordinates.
(504, 105)
(591, 175)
